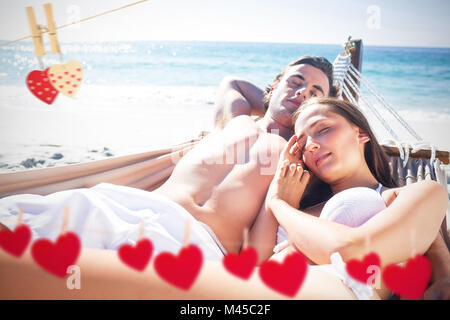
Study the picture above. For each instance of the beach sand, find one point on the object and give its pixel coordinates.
(103, 122)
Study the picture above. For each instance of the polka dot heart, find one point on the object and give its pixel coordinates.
(39, 84)
(66, 78)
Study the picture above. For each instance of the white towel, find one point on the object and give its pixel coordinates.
(107, 216)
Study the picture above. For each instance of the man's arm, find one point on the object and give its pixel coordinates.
(237, 97)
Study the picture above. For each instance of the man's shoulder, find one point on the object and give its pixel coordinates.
(244, 125)
(242, 120)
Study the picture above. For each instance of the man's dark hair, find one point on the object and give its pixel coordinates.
(320, 63)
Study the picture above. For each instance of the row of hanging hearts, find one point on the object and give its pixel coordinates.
(409, 281)
(59, 78)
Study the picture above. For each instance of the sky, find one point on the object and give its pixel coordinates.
(378, 22)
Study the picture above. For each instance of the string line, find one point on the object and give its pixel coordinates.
(76, 22)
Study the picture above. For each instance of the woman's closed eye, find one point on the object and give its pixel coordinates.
(324, 130)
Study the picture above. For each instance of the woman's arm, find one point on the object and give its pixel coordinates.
(405, 228)
(439, 257)
(263, 234)
(315, 238)
(408, 226)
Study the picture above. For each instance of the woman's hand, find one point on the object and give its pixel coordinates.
(290, 179)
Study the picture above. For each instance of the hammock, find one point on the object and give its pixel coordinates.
(149, 170)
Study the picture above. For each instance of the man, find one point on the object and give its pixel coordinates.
(240, 97)
(223, 181)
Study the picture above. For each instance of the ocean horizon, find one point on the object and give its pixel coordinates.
(409, 77)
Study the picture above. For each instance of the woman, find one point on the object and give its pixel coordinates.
(104, 276)
(333, 140)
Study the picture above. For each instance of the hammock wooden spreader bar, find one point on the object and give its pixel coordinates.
(423, 154)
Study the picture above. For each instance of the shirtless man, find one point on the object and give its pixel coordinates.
(223, 181)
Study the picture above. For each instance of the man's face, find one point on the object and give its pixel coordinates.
(298, 84)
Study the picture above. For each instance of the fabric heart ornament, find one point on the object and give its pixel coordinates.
(56, 257)
(66, 78)
(362, 270)
(241, 265)
(40, 86)
(17, 241)
(182, 270)
(137, 256)
(286, 277)
(410, 281)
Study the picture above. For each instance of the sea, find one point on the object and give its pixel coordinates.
(408, 77)
(175, 85)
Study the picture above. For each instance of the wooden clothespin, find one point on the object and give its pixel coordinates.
(65, 222)
(54, 44)
(141, 229)
(36, 33)
(245, 239)
(187, 233)
(20, 216)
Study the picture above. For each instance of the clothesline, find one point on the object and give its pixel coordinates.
(76, 22)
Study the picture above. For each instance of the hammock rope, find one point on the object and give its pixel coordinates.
(349, 79)
(353, 71)
(371, 107)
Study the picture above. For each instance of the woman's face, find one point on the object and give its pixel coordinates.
(332, 148)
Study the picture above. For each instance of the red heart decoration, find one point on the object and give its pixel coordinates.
(56, 257)
(409, 281)
(138, 256)
(241, 265)
(286, 277)
(17, 241)
(359, 270)
(182, 270)
(39, 84)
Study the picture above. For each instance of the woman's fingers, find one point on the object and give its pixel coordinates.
(284, 168)
(293, 169)
(281, 172)
(304, 178)
(289, 145)
(294, 150)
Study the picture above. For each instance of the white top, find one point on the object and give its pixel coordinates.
(351, 207)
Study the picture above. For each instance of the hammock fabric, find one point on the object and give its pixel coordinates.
(146, 171)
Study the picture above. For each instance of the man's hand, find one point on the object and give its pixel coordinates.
(237, 97)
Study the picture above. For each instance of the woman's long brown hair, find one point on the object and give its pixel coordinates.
(374, 154)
